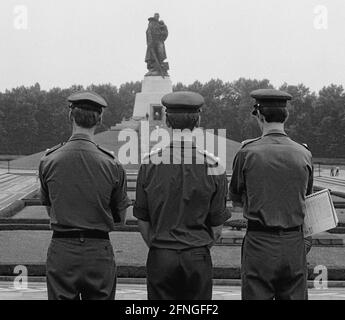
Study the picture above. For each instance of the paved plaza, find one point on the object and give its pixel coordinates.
(38, 291)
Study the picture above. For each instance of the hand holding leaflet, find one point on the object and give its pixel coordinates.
(320, 213)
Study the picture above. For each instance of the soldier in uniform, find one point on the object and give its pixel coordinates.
(180, 207)
(84, 189)
(271, 177)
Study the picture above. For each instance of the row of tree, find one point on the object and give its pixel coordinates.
(32, 119)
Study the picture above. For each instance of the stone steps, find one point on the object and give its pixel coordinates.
(46, 226)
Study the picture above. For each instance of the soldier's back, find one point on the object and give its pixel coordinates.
(180, 193)
(81, 177)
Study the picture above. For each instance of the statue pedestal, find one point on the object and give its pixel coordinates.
(148, 104)
(148, 101)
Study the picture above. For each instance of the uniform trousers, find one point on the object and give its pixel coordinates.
(274, 266)
(179, 274)
(81, 269)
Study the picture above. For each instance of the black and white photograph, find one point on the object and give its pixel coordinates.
(172, 154)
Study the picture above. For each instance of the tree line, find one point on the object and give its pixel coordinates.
(32, 119)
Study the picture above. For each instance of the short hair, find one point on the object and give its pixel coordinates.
(85, 118)
(274, 114)
(182, 120)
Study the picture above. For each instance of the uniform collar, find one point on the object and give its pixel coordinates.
(80, 136)
(182, 143)
(275, 131)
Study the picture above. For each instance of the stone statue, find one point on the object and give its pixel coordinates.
(156, 34)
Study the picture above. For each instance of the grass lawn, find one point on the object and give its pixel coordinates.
(30, 247)
(329, 161)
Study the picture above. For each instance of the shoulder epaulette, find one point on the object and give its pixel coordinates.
(305, 146)
(210, 157)
(152, 153)
(106, 151)
(51, 150)
(215, 166)
(248, 141)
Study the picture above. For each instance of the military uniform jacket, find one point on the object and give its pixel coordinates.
(271, 177)
(180, 197)
(84, 186)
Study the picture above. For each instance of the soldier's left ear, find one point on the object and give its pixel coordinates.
(198, 122)
(70, 117)
(100, 118)
(260, 116)
(167, 120)
(287, 114)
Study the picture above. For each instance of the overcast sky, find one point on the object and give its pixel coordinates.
(103, 41)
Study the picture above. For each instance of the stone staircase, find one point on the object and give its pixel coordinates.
(33, 216)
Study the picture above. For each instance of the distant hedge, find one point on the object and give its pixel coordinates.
(32, 119)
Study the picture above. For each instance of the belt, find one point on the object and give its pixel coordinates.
(91, 234)
(256, 226)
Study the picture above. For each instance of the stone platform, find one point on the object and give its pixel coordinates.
(29, 248)
(153, 88)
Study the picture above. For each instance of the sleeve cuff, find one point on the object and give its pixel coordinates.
(124, 204)
(218, 218)
(45, 200)
(235, 197)
(141, 213)
(46, 203)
